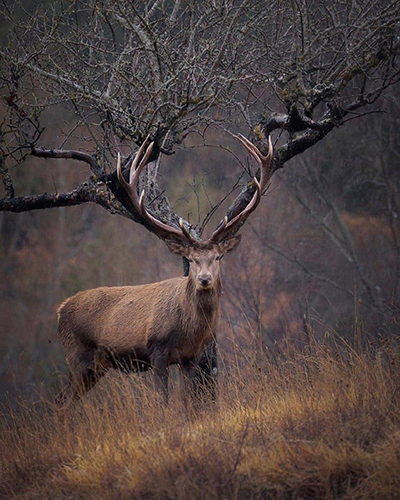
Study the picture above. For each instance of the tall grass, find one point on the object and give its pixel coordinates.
(324, 423)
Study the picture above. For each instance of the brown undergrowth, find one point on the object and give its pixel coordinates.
(324, 423)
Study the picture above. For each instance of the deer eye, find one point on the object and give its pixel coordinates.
(218, 257)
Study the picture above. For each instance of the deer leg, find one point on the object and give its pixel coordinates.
(84, 375)
(188, 369)
(159, 364)
(78, 386)
(65, 396)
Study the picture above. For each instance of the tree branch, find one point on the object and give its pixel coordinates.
(88, 192)
(42, 201)
(69, 154)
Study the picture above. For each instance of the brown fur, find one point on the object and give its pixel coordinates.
(136, 327)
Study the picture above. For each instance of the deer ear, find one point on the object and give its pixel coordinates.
(176, 247)
(230, 244)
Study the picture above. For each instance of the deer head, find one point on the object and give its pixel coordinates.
(203, 256)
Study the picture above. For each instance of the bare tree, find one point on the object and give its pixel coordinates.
(170, 68)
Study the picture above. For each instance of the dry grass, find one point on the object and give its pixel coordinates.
(323, 424)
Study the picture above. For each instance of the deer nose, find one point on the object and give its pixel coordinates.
(205, 279)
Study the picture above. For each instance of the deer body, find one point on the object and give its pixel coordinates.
(134, 328)
(136, 321)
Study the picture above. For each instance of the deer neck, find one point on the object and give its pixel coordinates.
(203, 302)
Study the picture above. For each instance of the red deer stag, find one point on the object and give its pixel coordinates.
(133, 328)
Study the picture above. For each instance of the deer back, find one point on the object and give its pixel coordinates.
(128, 318)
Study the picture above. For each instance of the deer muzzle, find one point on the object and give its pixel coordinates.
(204, 281)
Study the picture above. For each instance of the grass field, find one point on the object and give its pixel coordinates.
(324, 423)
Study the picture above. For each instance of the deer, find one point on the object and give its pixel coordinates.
(156, 325)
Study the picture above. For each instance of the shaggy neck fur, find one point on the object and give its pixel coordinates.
(203, 304)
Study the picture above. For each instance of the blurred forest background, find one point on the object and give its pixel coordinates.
(321, 256)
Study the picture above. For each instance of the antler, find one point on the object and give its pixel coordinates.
(138, 202)
(183, 234)
(265, 174)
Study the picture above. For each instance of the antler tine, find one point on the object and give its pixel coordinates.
(186, 233)
(138, 203)
(182, 235)
(265, 164)
(120, 177)
(134, 163)
(130, 187)
(137, 158)
(135, 172)
(220, 230)
(263, 161)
